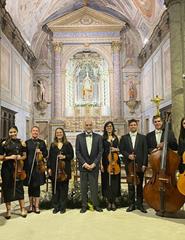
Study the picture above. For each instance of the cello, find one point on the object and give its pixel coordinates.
(161, 191)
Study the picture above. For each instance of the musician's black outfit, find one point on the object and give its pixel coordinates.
(60, 197)
(37, 178)
(11, 147)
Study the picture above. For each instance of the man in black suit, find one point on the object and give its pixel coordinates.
(133, 146)
(156, 137)
(89, 153)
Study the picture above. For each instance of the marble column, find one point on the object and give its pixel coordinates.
(177, 47)
(57, 82)
(116, 98)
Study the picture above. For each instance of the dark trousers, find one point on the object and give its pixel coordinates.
(34, 191)
(89, 178)
(135, 194)
(59, 199)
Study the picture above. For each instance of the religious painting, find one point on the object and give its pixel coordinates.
(87, 80)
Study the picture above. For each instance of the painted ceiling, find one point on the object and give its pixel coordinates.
(30, 15)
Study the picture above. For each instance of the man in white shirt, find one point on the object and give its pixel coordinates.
(133, 146)
(156, 137)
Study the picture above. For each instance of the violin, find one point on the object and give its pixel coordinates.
(40, 162)
(132, 176)
(113, 167)
(61, 175)
(181, 179)
(19, 173)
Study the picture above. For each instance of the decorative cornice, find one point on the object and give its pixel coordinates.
(14, 36)
(159, 33)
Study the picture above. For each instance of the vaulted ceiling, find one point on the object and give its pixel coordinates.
(30, 15)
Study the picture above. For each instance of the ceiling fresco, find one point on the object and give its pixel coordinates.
(30, 15)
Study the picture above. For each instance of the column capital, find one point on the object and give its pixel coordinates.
(116, 46)
(168, 3)
(57, 46)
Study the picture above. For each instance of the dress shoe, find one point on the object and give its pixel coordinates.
(23, 213)
(55, 210)
(141, 208)
(37, 210)
(98, 209)
(8, 215)
(62, 211)
(30, 209)
(130, 208)
(113, 207)
(109, 207)
(83, 210)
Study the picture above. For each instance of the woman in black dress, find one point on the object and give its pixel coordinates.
(13, 154)
(34, 164)
(181, 148)
(60, 156)
(110, 182)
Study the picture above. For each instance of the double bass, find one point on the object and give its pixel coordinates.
(161, 191)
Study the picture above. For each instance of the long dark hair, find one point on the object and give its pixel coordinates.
(182, 130)
(105, 134)
(64, 138)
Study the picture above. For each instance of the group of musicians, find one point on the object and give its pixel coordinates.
(23, 164)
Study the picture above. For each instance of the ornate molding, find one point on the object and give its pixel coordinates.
(159, 33)
(57, 46)
(116, 46)
(14, 36)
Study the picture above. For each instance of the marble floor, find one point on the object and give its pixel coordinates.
(116, 225)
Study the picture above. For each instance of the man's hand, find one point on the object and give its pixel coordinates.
(160, 146)
(132, 156)
(143, 168)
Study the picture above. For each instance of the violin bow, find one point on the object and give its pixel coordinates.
(56, 172)
(33, 161)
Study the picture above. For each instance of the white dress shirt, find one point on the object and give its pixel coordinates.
(158, 134)
(133, 138)
(89, 142)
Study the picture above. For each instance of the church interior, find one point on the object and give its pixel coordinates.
(62, 61)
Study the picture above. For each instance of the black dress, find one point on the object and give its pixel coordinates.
(37, 178)
(112, 191)
(60, 197)
(11, 147)
(181, 150)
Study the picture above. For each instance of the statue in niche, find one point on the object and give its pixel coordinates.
(87, 88)
(41, 90)
(132, 92)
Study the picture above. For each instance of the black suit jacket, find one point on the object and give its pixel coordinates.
(152, 144)
(82, 152)
(140, 149)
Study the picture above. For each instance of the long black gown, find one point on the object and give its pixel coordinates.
(112, 191)
(60, 198)
(181, 150)
(37, 178)
(11, 147)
